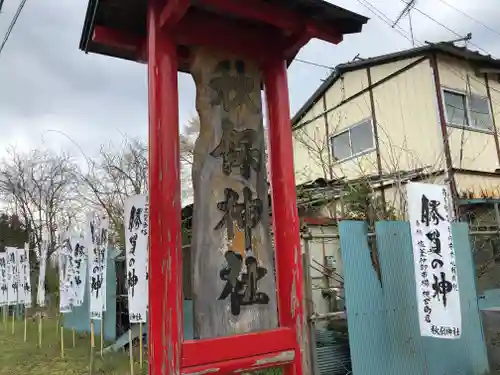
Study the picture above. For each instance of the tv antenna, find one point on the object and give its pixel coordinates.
(410, 4)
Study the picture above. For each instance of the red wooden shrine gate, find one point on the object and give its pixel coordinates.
(270, 33)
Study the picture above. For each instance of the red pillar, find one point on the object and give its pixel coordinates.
(284, 204)
(165, 263)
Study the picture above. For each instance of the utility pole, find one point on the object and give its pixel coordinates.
(407, 11)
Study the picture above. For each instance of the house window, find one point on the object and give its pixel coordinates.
(353, 141)
(472, 110)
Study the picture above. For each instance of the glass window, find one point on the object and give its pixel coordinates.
(473, 110)
(341, 146)
(356, 140)
(480, 112)
(361, 137)
(456, 108)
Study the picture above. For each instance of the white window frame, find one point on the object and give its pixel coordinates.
(348, 130)
(468, 112)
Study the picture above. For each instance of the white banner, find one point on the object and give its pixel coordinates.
(12, 275)
(80, 269)
(97, 242)
(25, 276)
(434, 257)
(3, 280)
(40, 295)
(136, 223)
(66, 293)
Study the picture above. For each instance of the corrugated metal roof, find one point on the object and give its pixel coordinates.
(447, 48)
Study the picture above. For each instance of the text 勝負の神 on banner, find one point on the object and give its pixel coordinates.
(136, 236)
(79, 274)
(97, 242)
(25, 272)
(12, 276)
(434, 257)
(3, 280)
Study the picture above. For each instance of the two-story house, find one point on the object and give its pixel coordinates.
(432, 109)
(430, 114)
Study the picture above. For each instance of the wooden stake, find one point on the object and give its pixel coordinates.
(140, 344)
(25, 325)
(92, 346)
(62, 342)
(74, 338)
(13, 321)
(131, 354)
(102, 334)
(40, 330)
(92, 341)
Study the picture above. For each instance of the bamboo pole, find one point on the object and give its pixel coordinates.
(102, 335)
(40, 330)
(131, 353)
(140, 344)
(13, 321)
(92, 346)
(25, 325)
(62, 342)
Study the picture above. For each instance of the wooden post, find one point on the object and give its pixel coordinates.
(165, 262)
(234, 289)
(285, 216)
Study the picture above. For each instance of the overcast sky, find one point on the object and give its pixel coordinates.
(47, 84)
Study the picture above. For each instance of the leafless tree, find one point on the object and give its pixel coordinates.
(187, 140)
(40, 187)
(118, 173)
(316, 146)
(122, 171)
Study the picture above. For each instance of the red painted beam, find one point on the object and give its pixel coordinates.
(243, 365)
(116, 38)
(295, 42)
(256, 10)
(325, 32)
(285, 21)
(221, 33)
(222, 349)
(173, 12)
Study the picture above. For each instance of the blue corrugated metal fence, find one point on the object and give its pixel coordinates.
(384, 332)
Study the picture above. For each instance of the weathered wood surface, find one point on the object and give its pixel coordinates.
(234, 289)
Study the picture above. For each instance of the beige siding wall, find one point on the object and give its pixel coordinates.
(408, 126)
(348, 115)
(469, 149)
(405, 107)
(405, 110)
(310, 147)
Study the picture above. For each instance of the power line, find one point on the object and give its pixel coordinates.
(469, 17)
(314, 64)
(446, 27)
(379, 14)
(12, 24)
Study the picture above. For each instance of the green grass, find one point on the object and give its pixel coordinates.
(18, 357)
